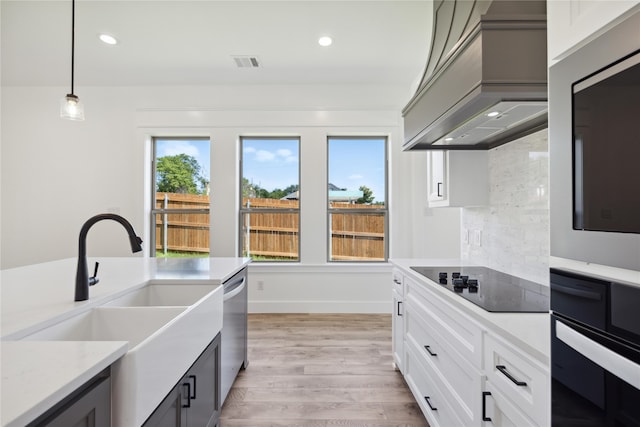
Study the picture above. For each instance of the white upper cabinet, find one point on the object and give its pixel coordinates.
(457, 178)
(572, 24)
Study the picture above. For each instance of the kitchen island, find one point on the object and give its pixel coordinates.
(39, 372)
(466, 365)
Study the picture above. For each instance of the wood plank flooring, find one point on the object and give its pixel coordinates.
(320, 370)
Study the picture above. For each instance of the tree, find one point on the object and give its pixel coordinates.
(367, 195)
(180, 174)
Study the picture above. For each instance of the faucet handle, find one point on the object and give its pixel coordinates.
(94, 279)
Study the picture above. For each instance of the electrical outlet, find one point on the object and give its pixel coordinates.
(260, 284)
(477, 237)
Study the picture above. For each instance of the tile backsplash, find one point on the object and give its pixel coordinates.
(512, 233)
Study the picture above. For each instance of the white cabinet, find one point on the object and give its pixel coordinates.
(397, 320)
(498, 410)
(572, 24)
(457, 178)
(459, 369)
(445, 346)
(522, 380)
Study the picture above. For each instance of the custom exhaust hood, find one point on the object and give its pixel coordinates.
(485, 82)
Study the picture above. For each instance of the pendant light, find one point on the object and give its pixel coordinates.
(70, 106)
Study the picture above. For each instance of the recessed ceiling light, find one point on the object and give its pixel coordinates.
(493, 113)
(448, 139)
(106, 38)
(325, 41)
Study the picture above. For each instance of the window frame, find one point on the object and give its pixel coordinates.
(242, 210)
(155, 211)
(384, 211)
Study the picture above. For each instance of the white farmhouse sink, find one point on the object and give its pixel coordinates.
(163, 341)
(110, 324)
(163, 294)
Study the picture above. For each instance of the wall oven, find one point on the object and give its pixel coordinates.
(595, 351)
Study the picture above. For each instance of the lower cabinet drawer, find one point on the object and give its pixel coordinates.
(521, 379)
(460, 378)
(427, 390)
(462, 332)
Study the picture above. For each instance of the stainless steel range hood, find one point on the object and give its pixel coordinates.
(485, 82)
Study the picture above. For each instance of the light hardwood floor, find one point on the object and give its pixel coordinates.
(320, 370)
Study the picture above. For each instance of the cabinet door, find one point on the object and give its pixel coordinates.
(169, 413)
(398, 331)
(499, 411)
(203, 379)
(92, 408)
(436, 162)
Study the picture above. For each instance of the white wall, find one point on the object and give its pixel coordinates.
(56, 174)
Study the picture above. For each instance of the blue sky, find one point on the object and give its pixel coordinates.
(356, 162)
(273, 163)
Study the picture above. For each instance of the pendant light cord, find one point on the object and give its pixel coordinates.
(73, 31)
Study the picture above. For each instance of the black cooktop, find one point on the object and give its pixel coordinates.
(490, 289)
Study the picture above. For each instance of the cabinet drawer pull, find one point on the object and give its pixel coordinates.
(484, 406)
(399, 314)
(428, 348)
(439, 189)
(504, 371)
(194, 385)
(397, 282)
(188, 386)
(429, 403)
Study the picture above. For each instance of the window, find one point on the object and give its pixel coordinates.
(180, 197)
(270, 202)
(357, 198)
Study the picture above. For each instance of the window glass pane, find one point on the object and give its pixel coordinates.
(270, 199)
(357, 198)
(181, 184)
(357, 172)
(357, 236)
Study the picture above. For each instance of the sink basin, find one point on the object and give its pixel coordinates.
(160, 294)
(109, 324)
(163, 342)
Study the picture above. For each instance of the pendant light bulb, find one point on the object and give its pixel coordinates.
(71, 108)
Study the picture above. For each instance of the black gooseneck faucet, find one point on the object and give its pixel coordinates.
(83, 281)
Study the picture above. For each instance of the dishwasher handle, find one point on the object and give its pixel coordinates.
(235, 290)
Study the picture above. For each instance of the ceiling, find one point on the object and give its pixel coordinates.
(194, 42)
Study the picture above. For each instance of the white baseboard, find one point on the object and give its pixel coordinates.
(320, 307)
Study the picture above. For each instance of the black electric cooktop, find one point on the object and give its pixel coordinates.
(490, 289)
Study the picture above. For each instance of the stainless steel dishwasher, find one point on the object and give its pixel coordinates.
(234, 330)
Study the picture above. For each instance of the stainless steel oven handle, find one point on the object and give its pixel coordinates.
(235, 291)
(618, 365)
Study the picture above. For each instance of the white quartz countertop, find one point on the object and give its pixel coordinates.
(37, 374)
(529, 331)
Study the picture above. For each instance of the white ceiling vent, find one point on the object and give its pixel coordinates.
(246, 61)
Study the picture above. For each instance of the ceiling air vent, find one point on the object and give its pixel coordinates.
(246, 61)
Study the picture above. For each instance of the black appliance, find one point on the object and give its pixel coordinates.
(605, 148)
(490, 289)
(595, 352)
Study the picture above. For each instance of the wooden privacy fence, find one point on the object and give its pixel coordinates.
(355, 236)
(182, 232)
